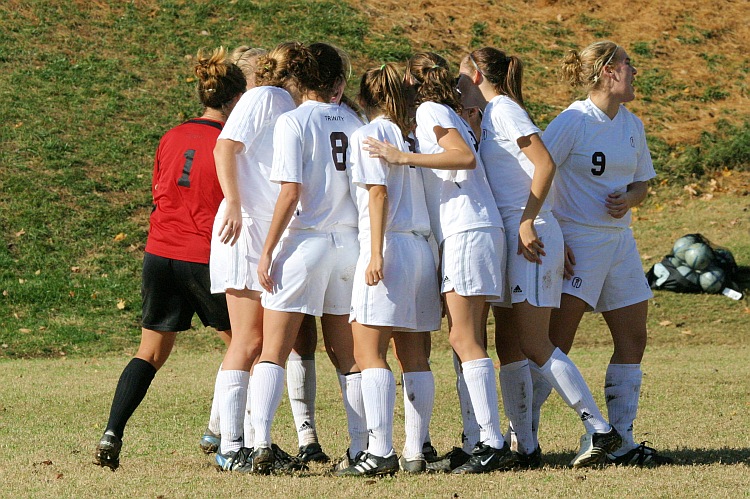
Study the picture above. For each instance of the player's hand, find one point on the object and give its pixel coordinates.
(264, 273)
(231, 224)
(617, 204)
(374, 271)
(383, 150)
(529, 244)
(570, 261)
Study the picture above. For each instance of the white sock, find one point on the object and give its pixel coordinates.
(232, 401)
(248, 423)
(622, 388)
(419, 398)
(354, 405)
(542, 389)
(265, 394)
(470, 435)
(516, 388)
(213, 419)
(560, 371)
(301, 384)
(379, 396)
(480, 381)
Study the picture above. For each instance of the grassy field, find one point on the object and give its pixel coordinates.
(694, 407)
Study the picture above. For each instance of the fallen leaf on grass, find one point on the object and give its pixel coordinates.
(75, 269)
(665, 323)
(59, 476)
(20, 233)
(24, 330)
(121, 304)
(38, 272)
(687, 332)
(120, 236)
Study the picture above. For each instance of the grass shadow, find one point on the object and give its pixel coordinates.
(682, 457)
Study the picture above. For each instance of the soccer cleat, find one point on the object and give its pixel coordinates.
(312, 452)
(345, 462)
(239, 461)
(371, 465)
(262, 460)
(108, 452)
(210, 442)
(449, 462)
(283, 462)
(531, 461)
(415, 465)
(485, 459)
(594, 448)
(640, 456)
(430, 453)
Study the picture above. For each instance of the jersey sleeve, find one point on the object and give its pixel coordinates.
(256, 109)
(431, 115)
(560, 135)
(366, 170)
(287, 151)
(513, 122)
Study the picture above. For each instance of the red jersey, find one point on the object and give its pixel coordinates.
(186, 192)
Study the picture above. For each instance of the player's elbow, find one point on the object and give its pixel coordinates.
(467, 162)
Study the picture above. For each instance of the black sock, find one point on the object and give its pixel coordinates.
(132, 387)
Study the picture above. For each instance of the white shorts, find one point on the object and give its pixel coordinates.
(236, 267)
(313, 272)
(608, 273)
(407, 298)
(473, 263)
(540, 285)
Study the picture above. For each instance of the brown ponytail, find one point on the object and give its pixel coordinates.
(219, 81)
(432, 76)
(382, 89)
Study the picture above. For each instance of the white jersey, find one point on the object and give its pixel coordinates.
(596, 156)
(457, 200)
(310, 146)
(251, 123)
(509, 171)
(407, 210)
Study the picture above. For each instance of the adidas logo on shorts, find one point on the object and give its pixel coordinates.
(517, 289)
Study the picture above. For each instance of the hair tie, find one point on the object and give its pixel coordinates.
(382, 67)
(434, 66)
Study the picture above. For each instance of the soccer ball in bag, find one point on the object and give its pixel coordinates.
(678, 250)
(712, 279)
(698, 256)
(688, 274)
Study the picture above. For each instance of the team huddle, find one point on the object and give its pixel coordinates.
(432, 195)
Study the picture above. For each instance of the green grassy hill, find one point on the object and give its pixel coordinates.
(89, 87)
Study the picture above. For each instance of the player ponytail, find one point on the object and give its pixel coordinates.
(584, 69)
(433, 80)
(285, 66)
(381, 89)
(504, 72)
(219, 80)
(333, 70)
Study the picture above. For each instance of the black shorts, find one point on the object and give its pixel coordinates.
(173, 290)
